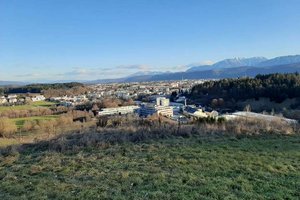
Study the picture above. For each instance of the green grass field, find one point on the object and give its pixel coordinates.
(211, 167)
(20, 121)
(29, 106)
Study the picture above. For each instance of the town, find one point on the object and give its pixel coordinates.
(166, 99)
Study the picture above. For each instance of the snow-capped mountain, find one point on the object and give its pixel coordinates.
(238, 62)
(249, 62)
(200, 68)
(146, 73)
(282, 60)
(227, 63)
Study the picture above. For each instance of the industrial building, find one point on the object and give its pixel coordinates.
(118, 110)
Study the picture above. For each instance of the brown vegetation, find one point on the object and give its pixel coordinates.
(7, 127)
(132, 129)
(78, 90)
(39, 111)
(114, 102)
(64, 122)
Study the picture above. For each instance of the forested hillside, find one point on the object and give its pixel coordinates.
(38, 88)
(276, 87)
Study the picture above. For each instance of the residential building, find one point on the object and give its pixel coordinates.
(38, 98)
(162, 101)
(194, 112)
(3, 100)
(12, 98)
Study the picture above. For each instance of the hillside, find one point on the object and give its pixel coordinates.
(11, 83)
(276, 87)
(279, 93)
(198, 167)
(282, 60)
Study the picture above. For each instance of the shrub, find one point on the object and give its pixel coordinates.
(7, 127)
(29, 125)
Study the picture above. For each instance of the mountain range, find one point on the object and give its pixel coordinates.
(228, 63)
(228, 68)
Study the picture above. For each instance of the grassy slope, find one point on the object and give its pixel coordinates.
(20, 121)
(26, 107)
(178, 168)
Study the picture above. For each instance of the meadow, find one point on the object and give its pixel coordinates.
(193, 167)
(127, 157)
(20, 121)
(27, 106)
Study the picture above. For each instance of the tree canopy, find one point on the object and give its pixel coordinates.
(276, 87)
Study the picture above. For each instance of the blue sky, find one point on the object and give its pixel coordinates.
(96, 39)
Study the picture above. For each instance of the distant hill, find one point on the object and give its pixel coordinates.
(146, 73)
(282, 60)
(232, 72)
(12, 83)
(238, 62)
(228, 68)
(38, 88)
(249, 62)
(229, 72)
(200, 68)
(228, 63)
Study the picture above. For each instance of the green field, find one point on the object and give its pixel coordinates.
(199, 167)
(20, 121)
(29, 106)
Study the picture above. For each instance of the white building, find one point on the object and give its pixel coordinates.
(118, 110)
(166, 111)
(12, 98)
(38, 98)
(258, 116)
(194, 112)
(162, 101)
(150, 109)
(3, 100)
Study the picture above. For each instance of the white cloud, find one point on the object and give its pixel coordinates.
(206, 62)
(102, 73)
(28, 75)
(88, 73)
(185, 67)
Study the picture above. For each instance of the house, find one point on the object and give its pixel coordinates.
(38, 98)
(12, 99)
(12, 96)
(3, 100)
(193, 111)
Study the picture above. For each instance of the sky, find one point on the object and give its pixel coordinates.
(48, 40)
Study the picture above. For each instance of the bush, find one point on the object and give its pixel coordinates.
(29, 125)
(7, 127)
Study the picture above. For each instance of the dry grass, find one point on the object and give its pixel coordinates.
(147, 159)
(133, 130)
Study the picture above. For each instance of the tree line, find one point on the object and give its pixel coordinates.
(276, 87)
(39, 88)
